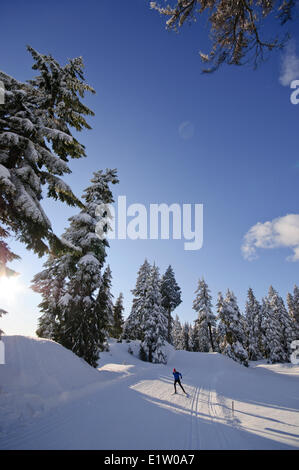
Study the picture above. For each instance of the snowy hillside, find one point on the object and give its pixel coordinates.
(51, 399)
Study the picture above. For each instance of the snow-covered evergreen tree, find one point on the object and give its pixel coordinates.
(81, 328)
(288, 332)
(50, 283)
(133, 328)
(171, 297)
(187, 339)
(193, 338)
(264, 328)
(278, 328)
(253, 327)
(220, 326)
(36, 142)
(118, 321)
(103, 310)
(231, 332)
(273, 349)
(154, 320)
(177, 336)
(205, 322)
(293, 306)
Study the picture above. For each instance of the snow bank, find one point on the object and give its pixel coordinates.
(37, 376)
(128, 353)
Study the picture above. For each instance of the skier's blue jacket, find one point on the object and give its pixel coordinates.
(177, 375)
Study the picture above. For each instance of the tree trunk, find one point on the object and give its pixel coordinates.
(211, 336)
(169, 326)
(150, 354)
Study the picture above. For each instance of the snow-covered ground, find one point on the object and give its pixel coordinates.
(51, 399)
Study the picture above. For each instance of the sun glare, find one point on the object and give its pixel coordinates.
(10, 287)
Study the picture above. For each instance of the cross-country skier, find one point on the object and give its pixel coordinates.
(177, 375)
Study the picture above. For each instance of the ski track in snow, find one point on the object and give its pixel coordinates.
(193, 440)
(51, 399)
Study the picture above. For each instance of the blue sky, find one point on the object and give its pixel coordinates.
(241, 162)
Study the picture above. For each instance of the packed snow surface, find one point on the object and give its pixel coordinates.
(51, 399)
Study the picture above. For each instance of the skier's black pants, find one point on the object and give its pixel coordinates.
(177, 381)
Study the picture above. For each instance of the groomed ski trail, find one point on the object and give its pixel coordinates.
(51, 399)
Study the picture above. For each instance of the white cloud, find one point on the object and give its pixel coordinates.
(290, 65)
(277, 233)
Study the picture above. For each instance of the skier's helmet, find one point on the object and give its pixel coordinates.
(174, 370)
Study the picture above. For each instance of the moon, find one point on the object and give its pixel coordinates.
(186, 130)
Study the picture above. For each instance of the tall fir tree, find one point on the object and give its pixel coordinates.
(171, 297)
(293, 307)
(184, 340)
(177, 336)
(103, 310)
(133, 328)
(80, 310)
(36, 143)
(85, 330)
(51, 283)
(278, 328)
(118, 321)
(231, 329)
(206, 321)
(253, 324)
(186, 336)
(220, 326)
(264, 328)
(155, 321)
(193, 338)
(273, 349)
